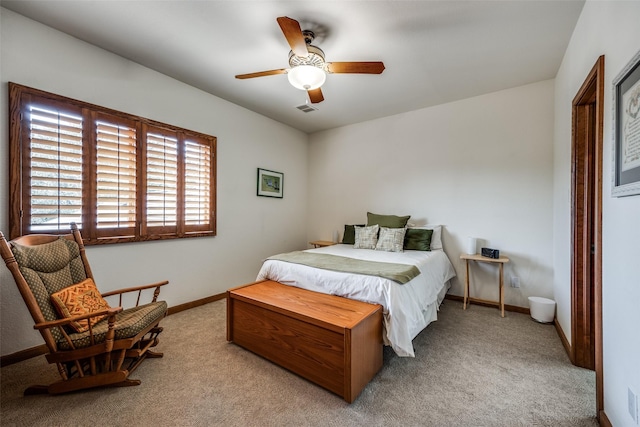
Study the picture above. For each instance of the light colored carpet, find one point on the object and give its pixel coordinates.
(472, 368)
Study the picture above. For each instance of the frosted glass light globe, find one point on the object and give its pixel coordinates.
(306, 77)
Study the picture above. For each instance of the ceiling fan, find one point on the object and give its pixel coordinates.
(308, 68)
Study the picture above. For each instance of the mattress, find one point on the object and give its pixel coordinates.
(407, 308)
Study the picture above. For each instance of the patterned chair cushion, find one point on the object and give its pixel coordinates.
(129, 323)
(81, 298)
(49, 268)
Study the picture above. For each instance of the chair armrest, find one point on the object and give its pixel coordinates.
(138, 289)
(135, 289)
(63, 322)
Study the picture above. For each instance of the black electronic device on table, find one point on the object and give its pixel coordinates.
(491, 253)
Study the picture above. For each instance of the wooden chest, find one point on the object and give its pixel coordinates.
(332, 341)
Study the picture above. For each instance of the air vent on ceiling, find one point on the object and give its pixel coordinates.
(306, 108)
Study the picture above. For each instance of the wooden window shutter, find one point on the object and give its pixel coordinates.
(161, 210)
(119, 177)
(53, 167)
(198, 182)
(115, 177)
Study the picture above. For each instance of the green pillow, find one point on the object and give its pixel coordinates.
(389, 221)
(417, 239)
(349, 236)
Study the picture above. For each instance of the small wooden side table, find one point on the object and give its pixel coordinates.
(479, 258)
(321, 243)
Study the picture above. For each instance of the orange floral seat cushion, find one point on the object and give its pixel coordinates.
(81, 298)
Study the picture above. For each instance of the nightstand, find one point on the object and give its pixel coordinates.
(321, 243)
(479, 258)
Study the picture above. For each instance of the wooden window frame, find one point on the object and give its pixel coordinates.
(20, 97)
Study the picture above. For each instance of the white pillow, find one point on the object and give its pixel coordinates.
(436, 237)
(391, 239)
(366, 237)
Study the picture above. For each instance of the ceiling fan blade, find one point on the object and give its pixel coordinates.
(356, 67)
(315, 95)
(293, 33)
(261, 74)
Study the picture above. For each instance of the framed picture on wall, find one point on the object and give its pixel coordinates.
(626, 130)
(270, 183)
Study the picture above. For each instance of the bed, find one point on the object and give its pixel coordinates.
(407, 308)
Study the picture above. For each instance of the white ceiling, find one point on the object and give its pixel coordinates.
(434, 51)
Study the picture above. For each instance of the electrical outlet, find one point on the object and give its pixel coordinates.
(633, 405)
(515, 282)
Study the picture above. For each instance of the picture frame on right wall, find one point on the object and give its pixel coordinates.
(626, 130)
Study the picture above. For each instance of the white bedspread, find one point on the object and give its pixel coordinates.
(407, 309)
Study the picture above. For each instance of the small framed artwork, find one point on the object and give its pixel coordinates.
(270, 183)
(626, 130)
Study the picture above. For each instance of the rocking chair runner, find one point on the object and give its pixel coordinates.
(115, 341)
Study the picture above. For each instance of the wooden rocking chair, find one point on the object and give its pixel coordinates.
(98, 348)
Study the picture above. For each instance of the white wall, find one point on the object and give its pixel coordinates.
(482, 166)
(249, 227)
(494, 167)
(612, 29)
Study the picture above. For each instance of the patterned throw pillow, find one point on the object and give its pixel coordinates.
(391, 239)
(78, 299)
(366, 237)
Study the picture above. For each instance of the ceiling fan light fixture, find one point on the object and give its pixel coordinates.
(307, 67)
(306, 77)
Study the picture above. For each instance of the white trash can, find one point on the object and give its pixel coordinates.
(542, 309)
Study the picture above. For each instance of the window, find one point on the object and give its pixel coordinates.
(120, 177)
